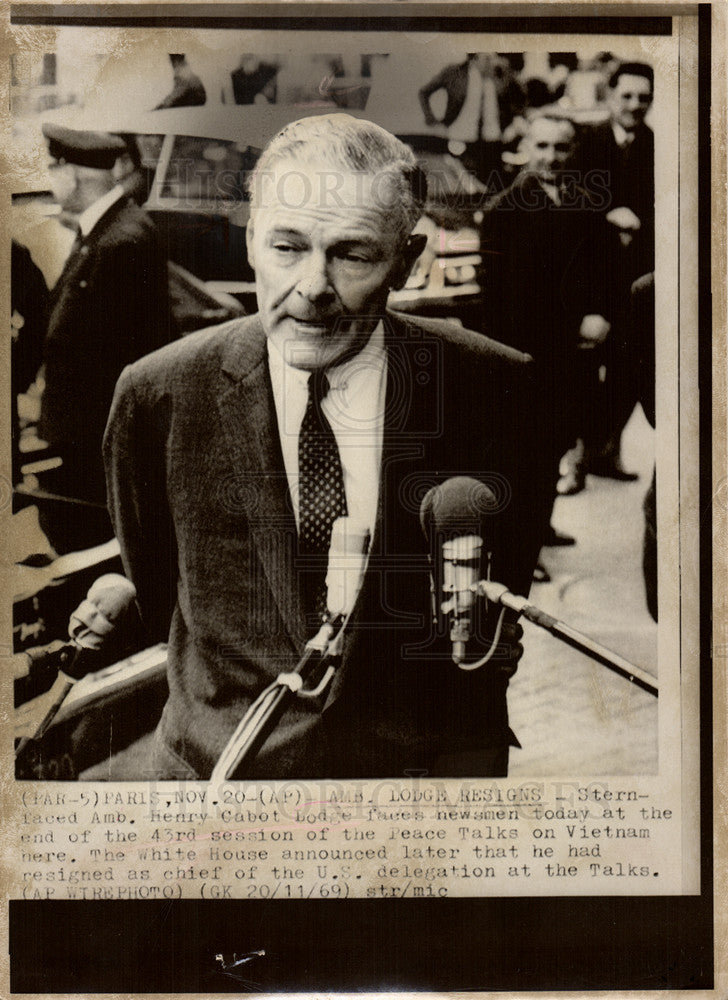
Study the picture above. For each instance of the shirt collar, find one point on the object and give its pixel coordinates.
(552, 190)
(370, 358)
(623, 137)
(88, 219)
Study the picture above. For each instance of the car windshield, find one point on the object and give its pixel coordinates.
(207, 171)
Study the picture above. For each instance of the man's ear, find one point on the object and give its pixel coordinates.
(249, 235)
(117, 171)
(414, 246)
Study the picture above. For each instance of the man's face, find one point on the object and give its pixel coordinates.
(326, 248)
(548, 146)
(62, 180)
(630, 100)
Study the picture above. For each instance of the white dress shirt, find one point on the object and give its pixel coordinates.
(354, 406)
(622, 137)
(552, 190)
(94, 213)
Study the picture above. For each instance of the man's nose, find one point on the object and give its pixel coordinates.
(314, 282)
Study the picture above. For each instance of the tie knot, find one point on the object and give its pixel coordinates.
(318, 386)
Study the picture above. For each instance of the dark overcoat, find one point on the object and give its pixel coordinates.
(109, 307)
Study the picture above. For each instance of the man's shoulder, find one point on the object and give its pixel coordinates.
(524, 193)
(597, 130)
(595, 140)
(467, 345)
(236, 345)
(124, 223)
(645, 137)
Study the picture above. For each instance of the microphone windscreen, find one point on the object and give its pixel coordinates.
(107, 602)
(113, 594)
(457, 506)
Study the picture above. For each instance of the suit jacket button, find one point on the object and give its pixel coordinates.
(82, 284)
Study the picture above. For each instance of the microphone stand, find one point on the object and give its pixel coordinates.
(499, 594)
(324, 649)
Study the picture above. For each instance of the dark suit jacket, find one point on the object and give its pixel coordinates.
(29, 298)
(108, 308)
(642, 333)
(200, 503)
(629, 177)
(544, 268)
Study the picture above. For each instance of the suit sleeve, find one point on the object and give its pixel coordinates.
(137, 295)
(493, 252)
(438, 82)
(504, 276)
(500, 438)
(526, 489)
(134, 460)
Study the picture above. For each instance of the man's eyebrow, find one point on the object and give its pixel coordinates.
(284, 231)
(356, 241)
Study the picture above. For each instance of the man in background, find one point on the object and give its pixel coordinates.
(482, 99)
(28, 325)
(546, 281)
(108, 308)
(188, 90)
(621, 151)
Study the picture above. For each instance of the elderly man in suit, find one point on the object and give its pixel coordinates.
(230, 454)
(621, 151)
(108, 308)
(546, 279)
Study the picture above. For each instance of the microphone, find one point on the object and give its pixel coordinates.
(348, 551)
(107, 601)
(348, 555)
(92, 623)
(452, 516)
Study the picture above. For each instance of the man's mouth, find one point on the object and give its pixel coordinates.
(312, 324)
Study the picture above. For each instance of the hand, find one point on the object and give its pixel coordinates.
(510, 648)
(623, 218)
(594, 329)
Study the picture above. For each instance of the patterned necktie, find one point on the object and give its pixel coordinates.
(321, 497)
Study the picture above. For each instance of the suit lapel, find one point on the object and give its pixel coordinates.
(72, 270)
(247, 411)
(82, 252)
(411, 406)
